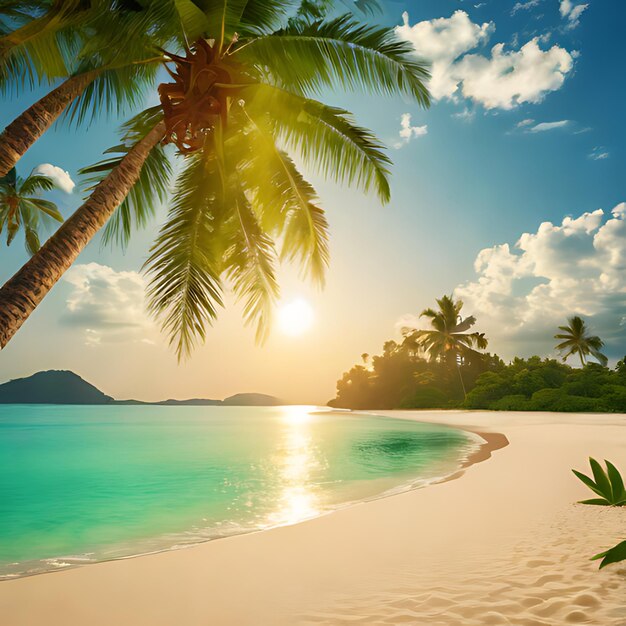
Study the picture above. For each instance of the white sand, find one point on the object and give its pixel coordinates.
(502, 544)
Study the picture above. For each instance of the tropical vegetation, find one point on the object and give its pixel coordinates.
(448, 341)
(240, 105)
(607, 484)
(22, 208)
(616, 554)
(444, 367)
(576, 340)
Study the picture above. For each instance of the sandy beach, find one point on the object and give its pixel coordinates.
(503, 543)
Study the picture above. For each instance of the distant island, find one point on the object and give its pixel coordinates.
(65, 387)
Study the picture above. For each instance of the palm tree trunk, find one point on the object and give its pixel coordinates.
(21, 294)
(25, 129)
(458, 367)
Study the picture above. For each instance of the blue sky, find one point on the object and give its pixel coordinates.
(523, 134)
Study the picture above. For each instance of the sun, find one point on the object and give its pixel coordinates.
(295, 317)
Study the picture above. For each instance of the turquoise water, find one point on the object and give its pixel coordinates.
(81, 484)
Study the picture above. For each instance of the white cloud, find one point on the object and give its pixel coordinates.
(576, 267)
(524, 6)
(524, 123)
(507, 79)
(108, 305)
(542, 127)
(408, 132)
(599, 153)
(501, 80)
(571, 12)
(441, 41)
(61, 178)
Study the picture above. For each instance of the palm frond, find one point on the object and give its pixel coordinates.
(288, 203)
(326, 137)
(249, 263)
(36, 183)
(185, 287)
(147, 193)
(193, 20)
(45, 207)
(339, 53)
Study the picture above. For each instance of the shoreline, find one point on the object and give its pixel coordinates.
(491, 442)
(505, 545)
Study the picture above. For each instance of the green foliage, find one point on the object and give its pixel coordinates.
(402, 378)
(22, 208)
(514, 402)
(306, 57)
(548, 385)
(608, 484)
(185, 288)
(577, 340)
(614, 555)
(149, 191)
(448, 340)
(241, 203)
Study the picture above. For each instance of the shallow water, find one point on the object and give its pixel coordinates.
(89, 483)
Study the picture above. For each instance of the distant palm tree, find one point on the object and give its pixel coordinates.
(21, 207)
(448, 341)
(577, 340)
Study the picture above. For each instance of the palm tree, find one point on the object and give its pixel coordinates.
(577, 340)
(448, 341)
(241, 93)
(105, 50)
(120, 53)
(21, 207)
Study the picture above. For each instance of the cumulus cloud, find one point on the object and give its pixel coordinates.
(441, 41)
(571, 12)
(501, 80)
(106, 304)
(408, 132)
(61, 178)
(522, 293)
(507, 79)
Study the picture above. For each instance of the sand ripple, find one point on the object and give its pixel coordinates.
(546, 579)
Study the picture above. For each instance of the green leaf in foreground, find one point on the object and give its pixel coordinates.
(607, 484)
(614, 555)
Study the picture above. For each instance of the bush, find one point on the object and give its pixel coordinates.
(427, 398)
(511, 403)
(545, 400)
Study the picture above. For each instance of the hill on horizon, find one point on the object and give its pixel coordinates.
(52, 387)
(66, 387)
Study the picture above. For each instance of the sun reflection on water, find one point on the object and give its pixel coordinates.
(297, 460)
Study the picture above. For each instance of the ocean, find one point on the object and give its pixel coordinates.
(81, 484)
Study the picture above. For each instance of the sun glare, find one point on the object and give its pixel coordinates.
(295, 317)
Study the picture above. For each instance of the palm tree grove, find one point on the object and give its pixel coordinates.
(444, 366)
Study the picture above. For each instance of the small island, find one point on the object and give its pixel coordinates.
(65, 387)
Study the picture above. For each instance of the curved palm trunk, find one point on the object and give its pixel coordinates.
(25, 129)
(21, 294)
